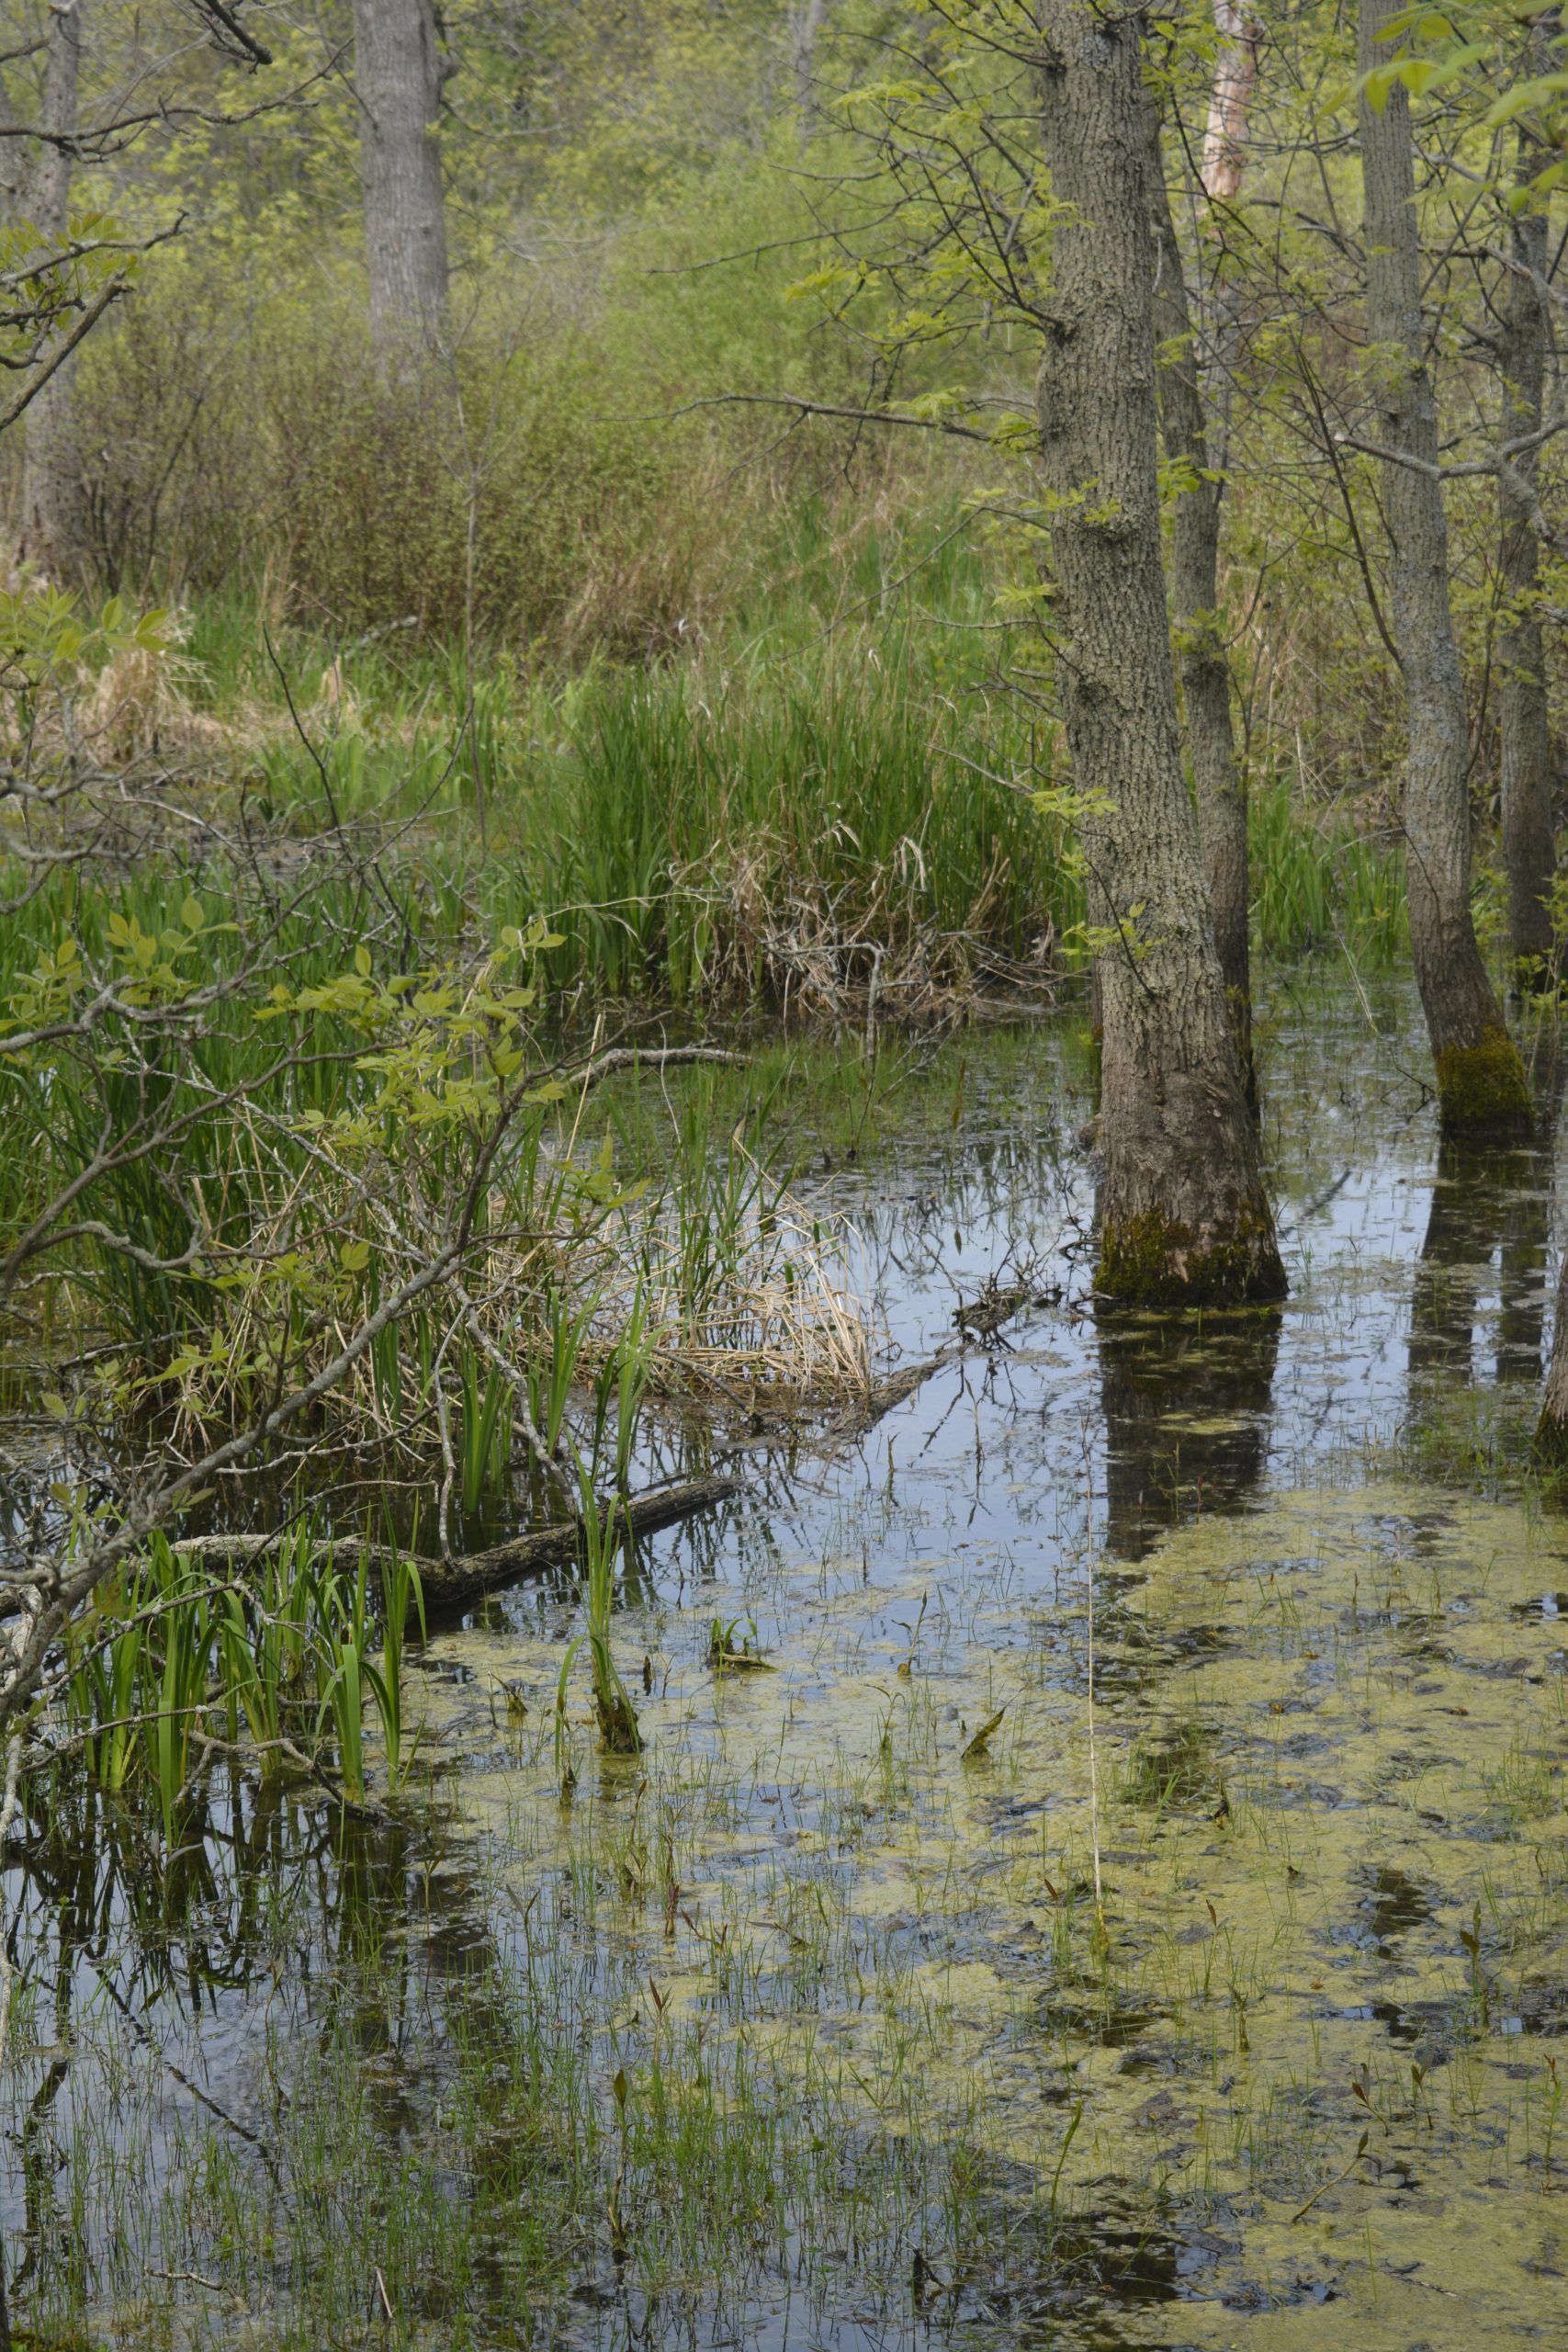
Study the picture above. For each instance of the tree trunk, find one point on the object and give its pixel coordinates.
(55, 504)
(1235, 78)
(805, 26)
(1552, 1436)
(1224, 157)
(1201, 657)
(1184, 1217)
(1530, 849)
(1481, 1079)
(397, 72)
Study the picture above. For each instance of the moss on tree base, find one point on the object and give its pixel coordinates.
(1551, 1440)
(1153, 1260)
(1483, 1088)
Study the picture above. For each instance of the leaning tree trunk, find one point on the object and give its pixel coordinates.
(1481, 1079)
(55, 504)
(1184, 1216)
(397, 74)
(1530, 850)
(1201, 657)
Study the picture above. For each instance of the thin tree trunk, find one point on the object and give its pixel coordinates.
(1530, 849)
(55, 504)
(1225, 160)
(805, 27)
(1235, 78)
(1200, 656)
(1184, 1217)
(398, 74)
(1481, 1079)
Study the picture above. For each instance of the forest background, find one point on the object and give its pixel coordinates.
(593, 533)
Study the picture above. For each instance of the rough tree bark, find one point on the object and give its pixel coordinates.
(398, 71)
(54, 504)
(1481, 1079)
(1184, 1216)
(1530, 849)
(1200, 655)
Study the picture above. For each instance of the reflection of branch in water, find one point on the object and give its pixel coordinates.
(1319, 1200)
(148, 2041)
(35, 2170)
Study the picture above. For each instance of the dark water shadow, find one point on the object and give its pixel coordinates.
(1479, 1299)
(1187, 1401)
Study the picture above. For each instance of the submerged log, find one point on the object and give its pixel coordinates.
(979, 1322)
(456, 1583)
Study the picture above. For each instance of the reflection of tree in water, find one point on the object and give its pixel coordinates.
(1186, 1401)
(1487, 1239)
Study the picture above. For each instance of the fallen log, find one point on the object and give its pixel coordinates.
(453, 1584)
(449, 1585)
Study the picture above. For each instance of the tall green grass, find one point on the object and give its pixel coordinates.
(1320, 881)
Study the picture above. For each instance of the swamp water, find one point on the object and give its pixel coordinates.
(1128, 1908)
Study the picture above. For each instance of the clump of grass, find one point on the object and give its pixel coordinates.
(485, 1431)
(166, 1670)
(618, 1728)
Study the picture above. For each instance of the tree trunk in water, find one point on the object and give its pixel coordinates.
(1552, 1436)
(1201, 658)
(1530, 849)
(1184, 1217)
(1481, 1079)
(397, 72)
(54, 505)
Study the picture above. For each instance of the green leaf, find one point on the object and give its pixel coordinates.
(982, 1739)
(1522, 97)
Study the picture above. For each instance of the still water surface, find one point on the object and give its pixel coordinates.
(1216, 2000)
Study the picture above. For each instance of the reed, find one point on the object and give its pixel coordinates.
(618, 1730)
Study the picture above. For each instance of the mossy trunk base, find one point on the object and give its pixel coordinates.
(1551, 1440)
(1155, 1260)
(1483, 1089)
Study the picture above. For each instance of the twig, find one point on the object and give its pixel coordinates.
(110, 292)
(1303, 2211)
